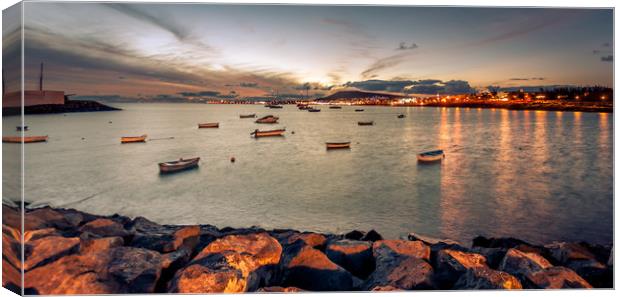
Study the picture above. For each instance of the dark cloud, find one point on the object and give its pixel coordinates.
(606, 44)
(608, 58)
(427, 82)
(526, 78)
(248, 85)
(381, 85)
(162, 22)
(403, 46)
(200, 94)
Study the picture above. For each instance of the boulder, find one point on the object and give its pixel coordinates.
(93, 245)
(248, 260)
(309, 269)
(372, 235)
(451, 265)
(556, 277)
(486, 278)
(564, 252)
(137, 270)
(11, 247)
(45, 217)
(494, 256)
(48, 249)
(521, 264)
(39, 233)
(115, 271)
(186, 237)
(354, 235)
(210, 274)
(502, 242)
(105, 228)
(430, 240)
(400, 272)
(415, 249)
(314, 240)
(277, 289)
(385, 289)
(354, 256)
(11, 277)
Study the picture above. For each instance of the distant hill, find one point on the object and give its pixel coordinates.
(356, 94)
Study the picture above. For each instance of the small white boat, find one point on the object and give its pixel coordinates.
(431, 156)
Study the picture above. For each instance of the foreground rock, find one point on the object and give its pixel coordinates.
(70, 252)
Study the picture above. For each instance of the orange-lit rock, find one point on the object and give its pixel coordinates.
(451, 265)
(105, 228)
(210, 274)
(254, 255)
(521, 264)
(45, 217)
(487, 278)
(402, 272)
(114, 271)
(277, 289)
(385, 289)
(11, 247)
(416, 249)
(557, 277)
(39, 233)
(309, 269)
(185, 237)
(92, 245)
(11, 277)
(312, 239)
(48, 249)
(354, 256)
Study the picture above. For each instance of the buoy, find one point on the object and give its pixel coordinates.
(292, 132)
(232, 159)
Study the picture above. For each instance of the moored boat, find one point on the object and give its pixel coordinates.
(268, 133)
(366, 123)
(132, 139)
(273, 106)
(338, 145)
(247, 116)
(26, 139)
(359, 110)
(269, 119)
(335, 107)
(22, 128)
(312, 109)
(431, 156)
(178, 165)
(400, 116)
(208, 125)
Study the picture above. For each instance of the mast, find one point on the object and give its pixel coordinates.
(41, 78)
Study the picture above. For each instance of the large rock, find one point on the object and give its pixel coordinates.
(314, 240)
(90, 244)
(164, 239)
(400, 272)
(486, 278)
(105, 228)
(556, 277)
(415, 249)
(494, 256)
(39, 233)
(309, 269)
(235, 263)
(114, 271)
(354, 235)
(48, 249)
(46, 217)
(583, 261)
(210, 274)
(502, 242)
(277, 289)
(354, 256)
(372, 235)
(521, 264)
(430, 240)
(451, 265)
(136, 269)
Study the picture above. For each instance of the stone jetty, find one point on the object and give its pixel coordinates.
(73, 252)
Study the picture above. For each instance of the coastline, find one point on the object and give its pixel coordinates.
(93, 254)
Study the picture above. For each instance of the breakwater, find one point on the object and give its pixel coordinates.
(73, 252)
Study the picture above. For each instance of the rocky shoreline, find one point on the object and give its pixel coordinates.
(73, 252)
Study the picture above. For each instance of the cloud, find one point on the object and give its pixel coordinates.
(608, 58)
(200, 94)
(162, 22)
(248, 85)
(526, 78)
(403, 46)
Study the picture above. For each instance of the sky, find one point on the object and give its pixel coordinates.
(140, 49)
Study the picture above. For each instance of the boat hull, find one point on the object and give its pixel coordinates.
(267, 120)
(365, 123)
(247, 116)
(133, 139)
(430, 157)
(337, 145)
(270, 133)
(208, 125)
(177, 166)
(26, 139)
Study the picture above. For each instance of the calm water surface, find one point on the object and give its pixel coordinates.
(537, 175)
